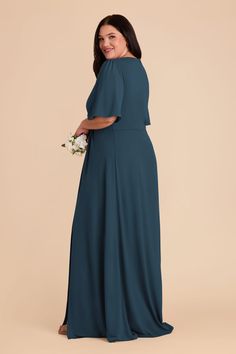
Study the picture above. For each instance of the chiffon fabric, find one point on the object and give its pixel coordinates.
(115, 281)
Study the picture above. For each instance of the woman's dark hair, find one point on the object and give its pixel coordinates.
(122, 25)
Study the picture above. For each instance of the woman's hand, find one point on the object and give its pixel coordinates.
(80, 131)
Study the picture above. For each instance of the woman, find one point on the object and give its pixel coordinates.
(115, 284)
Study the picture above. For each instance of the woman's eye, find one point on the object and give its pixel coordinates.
(109, 37)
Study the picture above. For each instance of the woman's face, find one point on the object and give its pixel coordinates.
(111, 42)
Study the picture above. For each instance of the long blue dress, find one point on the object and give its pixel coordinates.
(115, 282)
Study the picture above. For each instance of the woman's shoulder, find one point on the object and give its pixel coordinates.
(131, 67)
(120, 60)
(116, 64)
(109, 67)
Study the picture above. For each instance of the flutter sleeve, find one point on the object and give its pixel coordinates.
(106, 97)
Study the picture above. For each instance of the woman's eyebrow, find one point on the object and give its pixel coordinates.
(107, 34)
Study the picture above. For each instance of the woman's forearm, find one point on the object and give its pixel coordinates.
(96, 123)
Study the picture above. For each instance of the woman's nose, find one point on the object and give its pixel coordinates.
(106, 43)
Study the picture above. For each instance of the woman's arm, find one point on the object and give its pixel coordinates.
(96, 123)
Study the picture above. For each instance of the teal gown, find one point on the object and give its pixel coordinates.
(115, 281)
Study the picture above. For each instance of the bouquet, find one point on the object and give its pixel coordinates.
(76, 144)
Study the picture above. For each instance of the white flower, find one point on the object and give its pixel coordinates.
(76, 145)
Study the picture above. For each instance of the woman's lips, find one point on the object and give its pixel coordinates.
(108, 50)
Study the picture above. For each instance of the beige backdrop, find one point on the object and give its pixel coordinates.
(189, 53)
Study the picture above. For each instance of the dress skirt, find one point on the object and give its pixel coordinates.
(115, 281)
